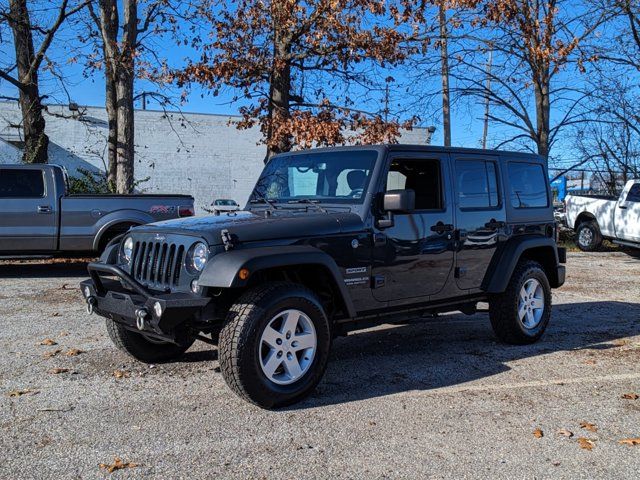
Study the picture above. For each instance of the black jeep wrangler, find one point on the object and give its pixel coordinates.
(334, 240)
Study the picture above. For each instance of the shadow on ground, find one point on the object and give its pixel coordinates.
(68, 269)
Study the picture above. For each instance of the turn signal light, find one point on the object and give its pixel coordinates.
(243, 274)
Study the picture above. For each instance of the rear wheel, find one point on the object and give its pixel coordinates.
(588, 236)
(275, 344)
(521, 314)
(144, 348)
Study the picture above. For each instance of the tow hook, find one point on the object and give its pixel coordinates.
(91, 302)
(141, 316)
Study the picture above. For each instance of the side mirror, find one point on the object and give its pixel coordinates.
(396, 201)
(399, 201)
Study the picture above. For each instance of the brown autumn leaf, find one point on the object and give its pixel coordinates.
(52, 353)
(589, 362)
(589, 426)
(585, 443)
(630, 396)
(24, 391)
(48, 342)
(55, 314)
(117, 464)
(629, 441)
(538, 433)
(565, 433)
(73, 352)
(121, 374)
(56, 371)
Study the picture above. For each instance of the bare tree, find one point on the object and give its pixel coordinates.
(23, 74)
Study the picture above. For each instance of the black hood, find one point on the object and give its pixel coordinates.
(256, 226)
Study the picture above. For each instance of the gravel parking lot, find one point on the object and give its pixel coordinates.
(438, 398)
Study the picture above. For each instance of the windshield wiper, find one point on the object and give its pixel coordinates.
(262, 199)
(308, 201)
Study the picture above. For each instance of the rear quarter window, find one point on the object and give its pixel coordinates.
(634, 193)
(528, 185)
(23, 183)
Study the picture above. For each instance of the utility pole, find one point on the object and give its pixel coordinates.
(485, 131)
(444, 58)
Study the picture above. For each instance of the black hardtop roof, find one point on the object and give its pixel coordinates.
(402, 147)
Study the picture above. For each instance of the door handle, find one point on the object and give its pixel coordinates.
(493, 224)
(622, 207)
(44, 209)
(441, 227)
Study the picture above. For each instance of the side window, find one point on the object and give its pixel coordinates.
(421, 176)
(634, 193)
(477, 184)
(21, 183)
(528, 185)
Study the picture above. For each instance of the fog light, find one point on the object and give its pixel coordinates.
(157, 308)
(87, 292)
(195, 288)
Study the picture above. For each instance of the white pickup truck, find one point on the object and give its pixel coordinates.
(596, 217)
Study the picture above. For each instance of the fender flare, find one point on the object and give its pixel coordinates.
(505, 260)
(120, 216)
(222, 270)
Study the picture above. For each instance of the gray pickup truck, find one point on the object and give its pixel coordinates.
(39, 218)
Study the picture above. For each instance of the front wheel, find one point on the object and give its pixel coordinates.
(275, 343)
(521, 314)
(144, 348)
(588, 236)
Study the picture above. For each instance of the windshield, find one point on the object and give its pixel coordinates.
(328, 177)
(225, 202)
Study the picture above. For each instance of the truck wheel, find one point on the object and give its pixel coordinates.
(275, 343)
(521, 314)
(143, 348)
(588, 236)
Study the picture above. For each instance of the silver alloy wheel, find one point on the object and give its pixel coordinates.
(287, 347)
(531, 304)
(585, 237)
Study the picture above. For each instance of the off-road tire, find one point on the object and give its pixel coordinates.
(140, 348)
(503, 308)
(238, 347)
(594, 231)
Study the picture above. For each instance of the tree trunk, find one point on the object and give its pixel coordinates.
(111, 105)
(279, 98)
(36, 142)
(444, 59)
(125, 131)
(543, 111)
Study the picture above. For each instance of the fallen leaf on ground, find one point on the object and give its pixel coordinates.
(630, 396)
(117, 464)
(372, 423)
(590, 362)
(121, 374)
(538, 433)
(588, 426)
(73, 352)
(585, 443)
(24, 391)
(565, 433)
(629, 441)
(52, 353)
(48, 342)
(58, 370)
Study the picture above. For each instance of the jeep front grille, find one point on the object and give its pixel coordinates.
(157, 264)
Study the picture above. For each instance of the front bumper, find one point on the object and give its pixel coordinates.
(136, 307)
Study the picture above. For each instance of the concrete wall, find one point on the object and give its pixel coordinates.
(196, 154)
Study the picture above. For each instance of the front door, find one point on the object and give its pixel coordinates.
(480, 217)
(414, 257)
(627, 215)
(27, 216)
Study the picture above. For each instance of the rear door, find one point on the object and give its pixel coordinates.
(480, 216)
(414, 257)
(627, 214)
(28, 220)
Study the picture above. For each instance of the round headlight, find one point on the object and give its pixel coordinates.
(127, 249)
(198, 257)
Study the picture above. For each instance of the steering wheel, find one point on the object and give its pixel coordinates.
(356, 193)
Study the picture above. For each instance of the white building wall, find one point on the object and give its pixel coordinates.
(197, 154)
